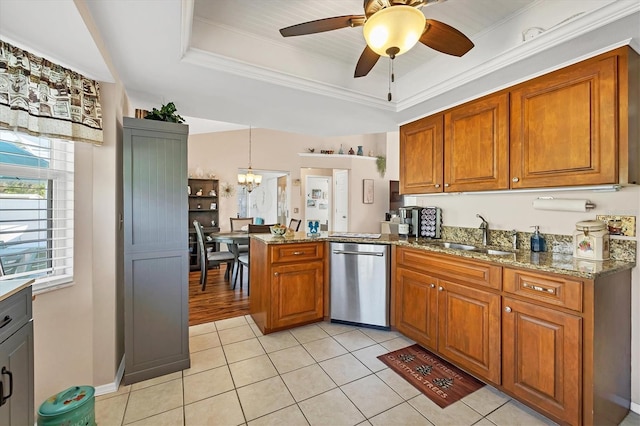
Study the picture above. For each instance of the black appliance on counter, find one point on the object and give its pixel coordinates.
(424, 222)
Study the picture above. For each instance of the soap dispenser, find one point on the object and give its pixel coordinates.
(537, 240)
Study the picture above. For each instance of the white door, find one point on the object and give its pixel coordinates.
(341, 200)
(318, 201)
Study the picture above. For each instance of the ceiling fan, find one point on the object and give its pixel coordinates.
(391, 28)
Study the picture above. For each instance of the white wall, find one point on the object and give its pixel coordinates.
(223, 153)
(78, 330)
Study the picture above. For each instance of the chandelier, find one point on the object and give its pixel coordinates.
(248, 180)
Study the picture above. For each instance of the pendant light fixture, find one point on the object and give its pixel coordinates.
(249, 180)
(394, 30)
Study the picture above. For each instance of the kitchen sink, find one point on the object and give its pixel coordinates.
(495, 252)
(456, 246)
(467, 247)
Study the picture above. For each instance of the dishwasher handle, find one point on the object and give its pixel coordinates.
(359, 253)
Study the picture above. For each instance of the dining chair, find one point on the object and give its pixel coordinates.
(260, 229)
(242, 261)
(294, 224)
(237, 223)
(215, 258)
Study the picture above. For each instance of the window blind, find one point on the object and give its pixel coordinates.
(36, 209)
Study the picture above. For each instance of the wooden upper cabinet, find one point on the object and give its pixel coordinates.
(421, 156)
(564, 127)
(476, 145)
(575, 126)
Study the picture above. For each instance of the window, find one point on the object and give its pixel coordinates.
(36, 209)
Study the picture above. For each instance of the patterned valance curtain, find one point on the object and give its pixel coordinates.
(46, 99)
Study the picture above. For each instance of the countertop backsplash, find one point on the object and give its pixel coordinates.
(620, 249)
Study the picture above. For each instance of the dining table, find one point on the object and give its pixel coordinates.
(233, 239)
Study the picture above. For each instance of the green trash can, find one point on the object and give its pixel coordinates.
(72, 407)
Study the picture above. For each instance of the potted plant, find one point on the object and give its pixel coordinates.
(165, 113)
(381, 164)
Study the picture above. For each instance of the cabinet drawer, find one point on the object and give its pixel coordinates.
(296, 252)
(15, 311)
(452, 267)
(553, 289)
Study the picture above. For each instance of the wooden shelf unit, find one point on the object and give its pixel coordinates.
(200, 209)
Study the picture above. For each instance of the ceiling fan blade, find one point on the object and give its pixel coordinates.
(367, 60)
(446, 39)
(321, 25)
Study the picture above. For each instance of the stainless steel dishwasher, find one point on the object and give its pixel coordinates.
(360, 284)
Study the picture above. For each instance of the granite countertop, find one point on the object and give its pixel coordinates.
(558, 263)
(11, 287)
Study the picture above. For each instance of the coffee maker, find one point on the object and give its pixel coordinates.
(411, 216)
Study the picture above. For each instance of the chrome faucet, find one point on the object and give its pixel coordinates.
(485, 229)
(514, 237)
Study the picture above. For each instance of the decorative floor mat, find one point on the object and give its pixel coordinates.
(439, 380)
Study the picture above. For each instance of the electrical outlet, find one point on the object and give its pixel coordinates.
(296, 210)
(619, 224)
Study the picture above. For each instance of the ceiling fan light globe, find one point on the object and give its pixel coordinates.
(395, 26)
(378, 38)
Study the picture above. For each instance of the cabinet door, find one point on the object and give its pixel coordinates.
(541, 358)
(421, 156)
(416, 299)
(296, 293)
(469, 329)
(156, 262)
(476, 140)
(16, 364)
(563, 128)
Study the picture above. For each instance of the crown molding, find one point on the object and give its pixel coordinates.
(554, 36)
(580, 25)
(222, 63)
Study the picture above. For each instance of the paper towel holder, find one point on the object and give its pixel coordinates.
(587, 204)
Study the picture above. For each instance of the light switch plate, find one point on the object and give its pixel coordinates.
(628, 224)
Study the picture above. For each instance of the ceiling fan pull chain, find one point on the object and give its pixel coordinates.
(389, 97)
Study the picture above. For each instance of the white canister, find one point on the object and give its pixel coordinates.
(591, 240)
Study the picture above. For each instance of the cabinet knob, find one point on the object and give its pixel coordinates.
(507, 309)
(432, 286)
(437, 185)
(515, 179)
(440, 288)
(446, 185)
(275, 274)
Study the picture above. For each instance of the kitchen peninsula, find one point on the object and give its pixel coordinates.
(537, 326)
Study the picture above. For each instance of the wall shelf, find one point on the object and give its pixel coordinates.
(358, 157)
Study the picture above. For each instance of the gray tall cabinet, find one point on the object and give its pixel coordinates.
(156, 264)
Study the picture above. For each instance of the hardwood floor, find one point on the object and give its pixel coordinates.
(218, 301)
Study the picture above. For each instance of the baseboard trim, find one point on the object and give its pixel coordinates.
(112, 387)
(635, 408)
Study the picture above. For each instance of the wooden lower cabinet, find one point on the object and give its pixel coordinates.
(416, 299)
(558, 343)
(287, 284)
(541, 360)
(457, 321)
(469, 329)
(296, 293)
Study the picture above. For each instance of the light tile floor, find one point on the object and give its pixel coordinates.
(320, 374)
